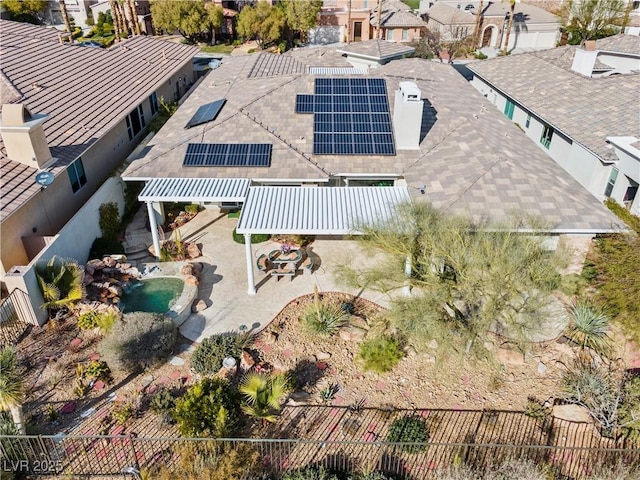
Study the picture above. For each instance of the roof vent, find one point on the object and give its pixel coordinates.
(23, 135)
(407, 116)
(584, 59)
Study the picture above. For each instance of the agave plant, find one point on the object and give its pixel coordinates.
(262, 393)
(11, 386)
(60, 281)
(588, 327)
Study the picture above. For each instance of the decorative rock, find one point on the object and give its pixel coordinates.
(573, 413)
(193, 251)
(352, 334)
(323, 356)
(176, 375)
(99, 385)
(287, 353)
(542, 368)
(410, 351)
(68, 407)
(88, 279)
(109, 262)
(271, 338)
(88, 269)
(146, 381)
(94, 356)
(321, 365)
(198, 305)
(76, 342)
(246, 360)
(176, 361)
(186, 269)
(133, 271)
(433, 344)
(191, 280)
(115, 289)
(123, 266)
(95, 265)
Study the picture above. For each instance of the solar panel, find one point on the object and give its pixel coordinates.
(351, 117)
(304, 103)
(206, 113)
(228, 155)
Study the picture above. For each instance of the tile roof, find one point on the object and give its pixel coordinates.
(448, 15)
(531, 13)
(397, 18)
(471, 158)
(586, 110)
(86, 91)
(376, 49)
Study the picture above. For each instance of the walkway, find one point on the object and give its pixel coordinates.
(224, 280)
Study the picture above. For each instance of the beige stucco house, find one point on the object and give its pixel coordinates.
(73, 112)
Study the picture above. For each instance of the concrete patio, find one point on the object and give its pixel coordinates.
(223, 285)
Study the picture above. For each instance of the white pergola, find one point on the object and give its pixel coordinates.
(314, 211)
(189, 190)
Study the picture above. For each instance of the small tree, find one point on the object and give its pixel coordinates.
(594, 19)
(262, 394)
(302, 15)
(29, 11)
(11, 387)
(190, 18)
(216, 18)
(60, 282)
(263, 22)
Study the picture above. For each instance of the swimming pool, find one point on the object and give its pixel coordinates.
(152, 295)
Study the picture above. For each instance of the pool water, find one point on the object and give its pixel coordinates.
(153, 295)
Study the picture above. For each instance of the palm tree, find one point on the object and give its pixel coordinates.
(65, 18)
(60, 281)
(263, 393)
(135, 25)
(478, 26)
(11, 387)
(588, 327)
(512, 9)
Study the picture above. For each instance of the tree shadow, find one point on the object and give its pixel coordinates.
(429, 118)
(306, 374)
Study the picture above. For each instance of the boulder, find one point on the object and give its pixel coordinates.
(542, 368)
(88, 269)
(115, 290)
(186, 269)
(110, 262)
(352, 333)
(87, 280)
(95, 264)
(246, 360)
(572, 413)
(191, 280)
(133, 271)
(271, 338)
(123, 266)
(433, 344)
(193, 251)
(198, 305)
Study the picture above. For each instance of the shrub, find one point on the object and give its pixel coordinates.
(255, 238)
(163, 404)
(324, 319)
(409, 429)
(309, 474)
(87, 320)
(94, 371)
(380, 354)
(192, 208)
(123, 412)
(208, 356)
(106, 320)
(102, 246)
(207, 409)
(92, 319)
(142, 339)
(110, 225)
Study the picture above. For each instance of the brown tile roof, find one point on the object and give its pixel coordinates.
(376, 49)
(587, 110)
(86, 91)
(531, 13)
(448, 15)
(471, 158)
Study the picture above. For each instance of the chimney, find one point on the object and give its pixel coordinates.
(407, 116)
(584, 58)
(23, 135)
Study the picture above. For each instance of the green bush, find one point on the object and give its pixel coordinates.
(324, 319)
(192, 208)
(87, 320)
(110, 224)
(409, 429)
(123, 412)
(105, 246)
(94, 371)
(208, 409)
(255, 238)
(309, 474)
(106, 320)
(163, 404)
(141, 339)
(208, 356)
(380, 354)
(93, 319)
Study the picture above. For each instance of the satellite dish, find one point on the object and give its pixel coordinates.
(44, 178)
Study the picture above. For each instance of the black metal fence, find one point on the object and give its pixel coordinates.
(16, 314)
(114, 455)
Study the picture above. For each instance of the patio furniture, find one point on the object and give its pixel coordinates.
(263, 264)
(307, 264)
(277, 257)
(283, 272)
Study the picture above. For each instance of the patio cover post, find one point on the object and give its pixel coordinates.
(251, 290)
(154, 229)
(406, 290)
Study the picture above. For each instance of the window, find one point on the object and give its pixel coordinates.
(153, 102)
(612, 181)
(630, 194)
(390, 34)
(547, 135)
(528, 122)
(135, 122)
(405, 34)
(77, 177)
(509, 107)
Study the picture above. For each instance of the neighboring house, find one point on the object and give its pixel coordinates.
(397, 23)
(305, 120)
(75, 112)
(79, 10)
(579, 106)
(533, 28)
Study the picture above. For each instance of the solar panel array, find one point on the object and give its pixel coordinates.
(351, 116)
(206, 113)
(228, 155)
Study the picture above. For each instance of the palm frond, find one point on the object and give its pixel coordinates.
(252, 386)
(11, 382)
(589, 328)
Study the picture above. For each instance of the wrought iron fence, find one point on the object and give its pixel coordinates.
(16, 314)
(117, 455)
